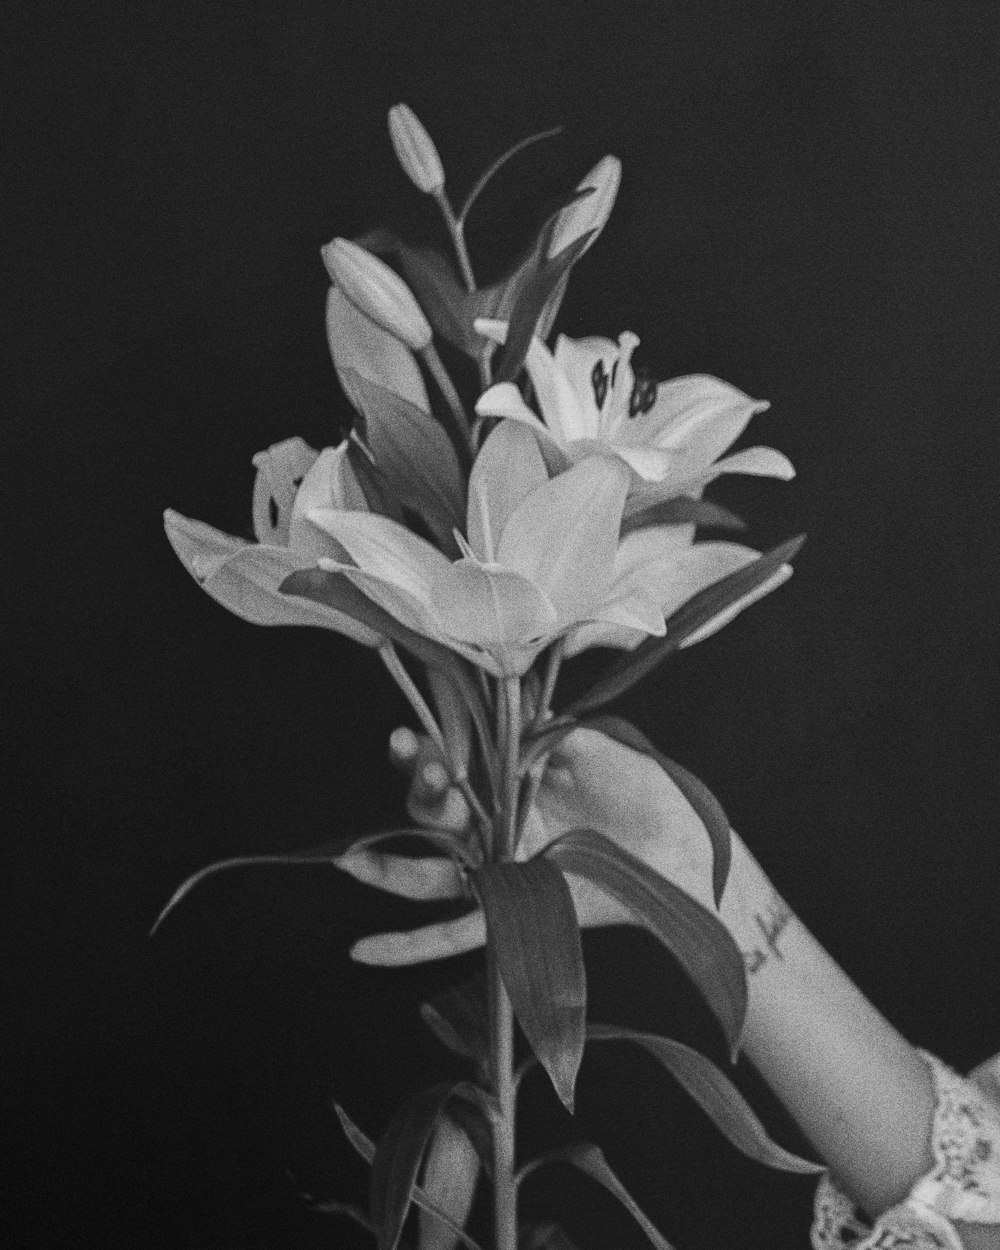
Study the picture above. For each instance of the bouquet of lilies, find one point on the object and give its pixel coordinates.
(485, 520)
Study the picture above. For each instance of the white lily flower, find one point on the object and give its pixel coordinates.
(670, 434)
(292, 480)
(539, 557)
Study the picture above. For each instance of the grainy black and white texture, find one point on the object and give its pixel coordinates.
(809, 210)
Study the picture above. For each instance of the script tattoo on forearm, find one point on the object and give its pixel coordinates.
(772, 924)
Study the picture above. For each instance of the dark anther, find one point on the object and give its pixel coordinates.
(599, 381)
(643, 395)
(272, 512)
(297, 482)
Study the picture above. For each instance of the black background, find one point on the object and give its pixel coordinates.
(809, 210)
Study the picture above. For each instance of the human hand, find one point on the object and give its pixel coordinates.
(590, 781)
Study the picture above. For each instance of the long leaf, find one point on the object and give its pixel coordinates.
(712, 1090)
(695, 937)
(498, 164)
(683, 510)
(415, 456)
(531, 303)
(532, 927)
(366, 1149)
(457, 1018)
(327, 853)
(706, 806)
(687, 620)
(397, 1160)
(590, 1159)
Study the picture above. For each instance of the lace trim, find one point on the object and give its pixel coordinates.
(964, 1183)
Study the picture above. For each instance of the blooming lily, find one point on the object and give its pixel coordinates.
(292, 480)
(538, 558)
(669, 433)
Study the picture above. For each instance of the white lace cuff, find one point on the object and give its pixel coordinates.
(964, 1183)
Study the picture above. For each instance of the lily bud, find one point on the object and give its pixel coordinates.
(592, 210)
(378, 291)
(415, 150)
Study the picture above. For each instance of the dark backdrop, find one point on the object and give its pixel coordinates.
(810, 211)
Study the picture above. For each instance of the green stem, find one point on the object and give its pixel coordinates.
(501, 1012)
(404, 681)
(451, 397)
(511, 771)
(456, 228)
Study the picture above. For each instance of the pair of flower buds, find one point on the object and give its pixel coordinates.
(380, 293)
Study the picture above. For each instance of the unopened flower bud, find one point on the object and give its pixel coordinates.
(415, 149)
(592, 210)
(378, 291)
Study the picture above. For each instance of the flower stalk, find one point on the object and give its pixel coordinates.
(501, 1015)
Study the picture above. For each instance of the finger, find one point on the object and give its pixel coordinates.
(432, 799)
(429, 878)
(436, 941)
(403, 747)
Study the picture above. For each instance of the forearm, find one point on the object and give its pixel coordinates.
(857, 1088)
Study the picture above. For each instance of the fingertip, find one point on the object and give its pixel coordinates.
(434, 777)
(455, 811)
(403, 745)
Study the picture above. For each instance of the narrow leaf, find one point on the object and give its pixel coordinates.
(326, 853)
(590, 1159)
(531, 925)
(498, 164)
(415, 456)
(457, 1017)
(689, 618)
(397, 1160)
(683, 510)
(366, 1149)
(529, 306)
(707, 807)
(712, 1090)
(695, 937)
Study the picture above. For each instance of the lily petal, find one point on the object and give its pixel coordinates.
(682, 574)
(557, 398)
(201, 548)
(717, 622)
(699, 413)
(758, 461)
(564, 536)
(508, 468)
(330, 483)
(495, 609)
(504, 400)
(650, 463)
(280, 470)
(358, 343)
(246, 580)
(577, 359)
(384, 548)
